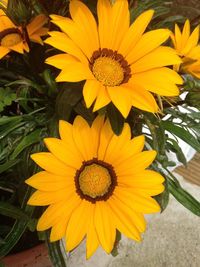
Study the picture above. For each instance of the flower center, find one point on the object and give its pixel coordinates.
(95, 180)
(108, 71)
(10, 37)
(109, 67)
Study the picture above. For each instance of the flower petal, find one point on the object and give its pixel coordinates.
(46, 181)
(61, 61)
(161, 81)
(50, 163)
(135, 32)
(147, 43)
(106, 231)
(75, 72)
(105, 137)
(66, 154)
(78, 224)
(142, 99)
(84, 19)
(90, 91)
(62, 42)
(121, 98)
(159, 57)
(137, 202)
(102, 99)
(136, 163)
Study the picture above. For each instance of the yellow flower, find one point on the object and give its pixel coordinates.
(187, 47)
(119, 62)
(12, 37)
(94, 183)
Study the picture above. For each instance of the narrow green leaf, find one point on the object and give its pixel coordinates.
(18, 228)
(11, 211)
(187, 200)
(8, 165)
(182, 134)
(28, 140)
(174, 147)
(55, 253)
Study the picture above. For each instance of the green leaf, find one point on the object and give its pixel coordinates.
(187, 200)
(11, 211)
(182, 134)
(55, 252)
(116, 119)
(4, 167)
(18, 228)
(28, 140)
(163, 199)
(174, 147)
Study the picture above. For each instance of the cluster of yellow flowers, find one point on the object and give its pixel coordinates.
(94, 181)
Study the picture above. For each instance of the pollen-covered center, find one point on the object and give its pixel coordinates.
(94, 180)
(109, 67)
(10, 37)
(108, 71)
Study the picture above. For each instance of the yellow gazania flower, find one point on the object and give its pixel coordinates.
(187, 47)
(94, 183)
(12, 37)
(120, 63)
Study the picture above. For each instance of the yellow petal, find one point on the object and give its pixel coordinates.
(120, 19)
(78, 224)
(5, 22)
(104, 15)
(50, 163)
(90, 91)
(192, 41)
(151, 191)
(3, 51)
(130, 148)
(102, 99)
(50, 182)
(75, 72)
(142, 179)
(61, 61)
(159, 57)
(36, 23)
(61, 42)
(113, 150)
(95, 132)
(136, 163)
(84, 19)
(81, 135)
(66, 154)
(133, 221)
(161, 81)
(92, 239)
(58, 230)
(121, 98)
(42, 198)
(105, 228)
(135, 32)
(19, 48)
(142, 99)
(147, 43)
(178, 38)
(185, 33)
(137, 202)
(57, 211)
(75, 33)
(105, 137)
